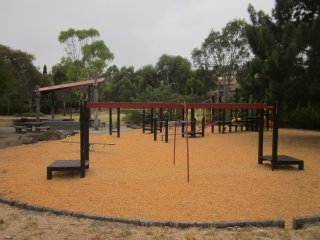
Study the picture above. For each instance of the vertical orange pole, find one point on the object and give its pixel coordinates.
(187, 139)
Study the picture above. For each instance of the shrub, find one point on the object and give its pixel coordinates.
(304, 117)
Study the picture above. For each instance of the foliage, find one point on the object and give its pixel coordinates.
(305, 117)
(75, 40)
(174, 71)
(286, 56)
(223, 54)
(86, 55)
(18, 80)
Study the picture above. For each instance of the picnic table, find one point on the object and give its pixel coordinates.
(31, 127)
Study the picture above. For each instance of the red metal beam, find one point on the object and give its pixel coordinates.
(174, 105)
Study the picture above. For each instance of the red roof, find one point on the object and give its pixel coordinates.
(69, 85)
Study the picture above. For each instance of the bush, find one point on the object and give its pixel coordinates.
(133, 118)
(304, 117)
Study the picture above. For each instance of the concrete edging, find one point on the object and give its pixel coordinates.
(144, 222)
(299, 222)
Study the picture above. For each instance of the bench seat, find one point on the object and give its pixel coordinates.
(65, 165)
(283, 160)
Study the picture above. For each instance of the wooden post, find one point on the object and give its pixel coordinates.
(230, 123)
(52, 105)
(86, 128)
(212, 116)
(155, 129)
(267, 118)
(151, 120)
(202, 127)
(160, 118)
(37, 103)
(82, 144)
(193, 123)
(96, 99)
(183, 124)
(143, 120)
(260, 139)
(110, 121)
(118, 122)
(166, 131)
(223, 120)
(187, 140)
(220, 112)
(275, 137)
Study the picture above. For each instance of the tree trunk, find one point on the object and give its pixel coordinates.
(64, 108)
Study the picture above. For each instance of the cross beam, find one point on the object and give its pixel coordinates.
(175, 105)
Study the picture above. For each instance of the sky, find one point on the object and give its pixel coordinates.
(137, 32)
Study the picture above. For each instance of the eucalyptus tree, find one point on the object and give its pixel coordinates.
(223, 53)
(174, 71)
(74, 40)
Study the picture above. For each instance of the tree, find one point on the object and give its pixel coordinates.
(122, 85)
(18, 80)
(174, 70)
(86, 56)
(223, 53)
(75, 40)
(286, 58)
(146, 77)
(95, 56)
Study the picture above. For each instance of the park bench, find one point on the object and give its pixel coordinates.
(282, 160)
(20, 128)
(40, 128)
(66, 165)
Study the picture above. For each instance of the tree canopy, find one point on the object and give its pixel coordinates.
(18, 78)
(286, 59)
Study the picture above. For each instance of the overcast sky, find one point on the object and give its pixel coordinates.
(138, 32)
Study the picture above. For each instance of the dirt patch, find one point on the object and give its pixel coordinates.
(137, 179)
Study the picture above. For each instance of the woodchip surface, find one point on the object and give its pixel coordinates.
(136, 178)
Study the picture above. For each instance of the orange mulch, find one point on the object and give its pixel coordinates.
(137, 179)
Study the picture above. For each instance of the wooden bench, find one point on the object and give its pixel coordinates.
(40, 128)
(20, 128)
(66, 165)
(283, 160)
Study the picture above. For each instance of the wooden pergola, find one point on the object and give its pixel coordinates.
(53, 88)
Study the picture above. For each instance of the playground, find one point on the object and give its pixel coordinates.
(136, 178)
